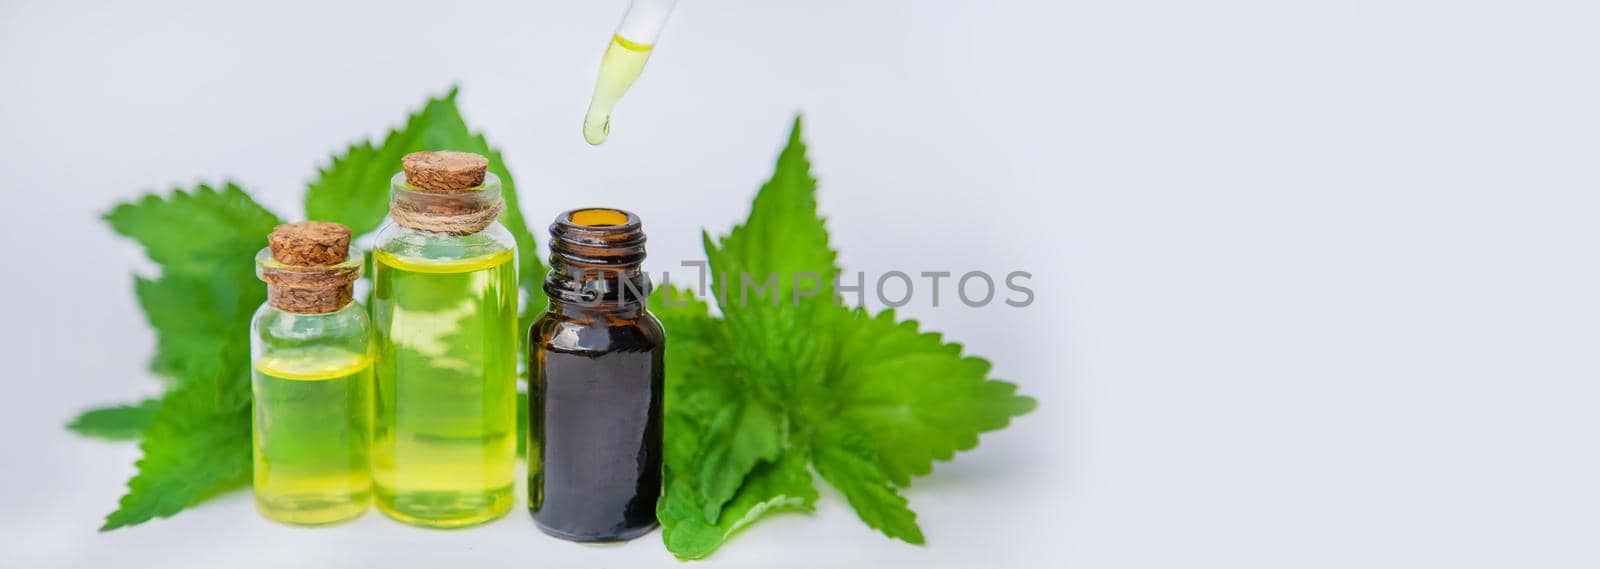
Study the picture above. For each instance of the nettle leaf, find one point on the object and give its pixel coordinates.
(354, 188)
(729, 431)
(194, 317)
(869, 401)
(700, 385)
(204, 241)
(767, 314)
(773, 274)
(687, 316)
(117, 422)
(845, 460)
(784, 485)
(197, 444)
(197, 233)
(918, 396)
(783, 236)
(736, 438)
(699, 380)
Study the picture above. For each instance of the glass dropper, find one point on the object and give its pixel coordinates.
(624, 60)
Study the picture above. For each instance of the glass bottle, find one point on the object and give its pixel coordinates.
(445, 311)
(312, 380)
(595, 384)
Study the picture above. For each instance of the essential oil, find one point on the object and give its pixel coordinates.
(445, 311)
(623, 62)
(595, 384)
(312, 380)
(311, 447)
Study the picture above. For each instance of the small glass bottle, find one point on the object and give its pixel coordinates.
(444, 307)
(312, 379)
(595, 384)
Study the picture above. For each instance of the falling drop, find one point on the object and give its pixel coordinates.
(622, 64)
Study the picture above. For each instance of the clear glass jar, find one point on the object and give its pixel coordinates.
(312, 406)
(445, 303)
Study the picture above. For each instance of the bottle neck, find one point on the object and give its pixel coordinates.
(448, 212)
(595, 258)
(308, 289)
(302, 300)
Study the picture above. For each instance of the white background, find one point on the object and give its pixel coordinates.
(1316, 280)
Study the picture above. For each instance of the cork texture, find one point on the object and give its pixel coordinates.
(314, 292)
(308, 280)
(444, 170)
(310, 243)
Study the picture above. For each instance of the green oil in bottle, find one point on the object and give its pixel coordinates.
(623, 62)
(444, 444)
(311, 379)
(313, 414)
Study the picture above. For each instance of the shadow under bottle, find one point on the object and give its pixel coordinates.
(595, 384)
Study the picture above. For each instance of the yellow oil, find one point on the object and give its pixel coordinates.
(620, 66)
(313, 419)
(444, 445)
(599, 217)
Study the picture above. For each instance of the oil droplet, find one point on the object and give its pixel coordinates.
(623, 62)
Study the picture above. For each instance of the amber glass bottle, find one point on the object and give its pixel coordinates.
(595, 381)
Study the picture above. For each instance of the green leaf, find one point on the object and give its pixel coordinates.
(763, 268)
(784, 485)
(197, 444)
(782, 236)
(708, 410)
(872, 401)
(198, 233)
(845, 462)
(354, 188)
(117, 422)
(918, 396)
(684, 315)
(712, 432)
(699, 379)
(759, 270)
(205, 242)
(194, 316)
(736, 439)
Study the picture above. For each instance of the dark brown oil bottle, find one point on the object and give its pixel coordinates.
(595, 382)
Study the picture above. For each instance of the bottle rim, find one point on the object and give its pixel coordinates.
(353, 264)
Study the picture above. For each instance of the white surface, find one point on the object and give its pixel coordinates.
(1316, 280)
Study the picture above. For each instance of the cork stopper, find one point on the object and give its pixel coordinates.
(307, 267)
(310, 243)
(445, 192)
(444, 170)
